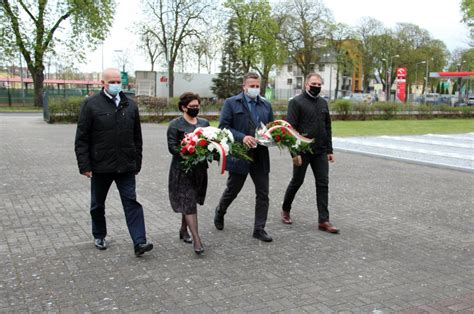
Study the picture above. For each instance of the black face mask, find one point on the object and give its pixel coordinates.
(193, 112)
(314, 90)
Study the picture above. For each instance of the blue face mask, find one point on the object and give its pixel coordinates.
(114, 89)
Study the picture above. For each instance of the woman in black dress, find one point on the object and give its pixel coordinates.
(186, 190)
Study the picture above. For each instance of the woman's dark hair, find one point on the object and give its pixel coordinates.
(186, 98)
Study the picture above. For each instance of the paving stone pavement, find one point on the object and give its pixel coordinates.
(454, 151)
(406, 242)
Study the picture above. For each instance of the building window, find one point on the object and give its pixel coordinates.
(290, 68)
(321, 68)
(289, 81)
(299, 82)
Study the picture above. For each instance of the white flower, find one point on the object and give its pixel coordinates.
(229, 134)
(210, 132)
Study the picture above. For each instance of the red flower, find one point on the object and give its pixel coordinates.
(283, 131)
(191, 149)
(202, 142)
(183, 150)
(277, 138)
(198, 132)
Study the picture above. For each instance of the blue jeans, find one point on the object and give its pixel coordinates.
(100, 184)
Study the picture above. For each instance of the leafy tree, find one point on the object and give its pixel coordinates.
(259, 47)
(229, 80)
(467, 8)
(415, 44)
(305, 29)
(340, 41)
(33, 26)
(368, 31)
(172, 23)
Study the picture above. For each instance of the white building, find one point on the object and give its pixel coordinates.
(289, 80)
(156, 83)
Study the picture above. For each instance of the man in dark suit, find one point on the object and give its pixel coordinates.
(308, 113)
(242, 114)
(108, 148)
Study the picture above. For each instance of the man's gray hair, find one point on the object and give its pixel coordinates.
(310, 75)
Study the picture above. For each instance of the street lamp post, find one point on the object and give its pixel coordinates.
(427, 78)
(460, 81)
(416, 74)
(389, 85)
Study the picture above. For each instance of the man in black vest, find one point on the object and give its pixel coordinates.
(308, 113)
(108, 148)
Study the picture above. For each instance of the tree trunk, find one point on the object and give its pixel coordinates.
(263, 84)
(337, 83)
(38, 78)
(170, 79)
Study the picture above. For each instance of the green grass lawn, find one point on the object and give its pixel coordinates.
(401, 127)
(20, 109)
(398, 127)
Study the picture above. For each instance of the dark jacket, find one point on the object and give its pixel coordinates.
(310, 117)
(236, 117)
(175, 134)
(108, 138)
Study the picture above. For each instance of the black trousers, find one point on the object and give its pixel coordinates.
(320, 166)
(100, 184)
(235, 182)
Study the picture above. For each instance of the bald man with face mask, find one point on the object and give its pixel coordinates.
(108, 149)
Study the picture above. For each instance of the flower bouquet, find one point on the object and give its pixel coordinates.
(208, 144)
(282, 134)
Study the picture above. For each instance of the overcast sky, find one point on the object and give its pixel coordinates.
(440, 17)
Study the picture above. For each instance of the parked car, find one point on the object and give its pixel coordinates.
(470, 100)
(362, 97)
(431, 98)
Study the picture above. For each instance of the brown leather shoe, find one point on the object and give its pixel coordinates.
(328, 227)
(285, 218)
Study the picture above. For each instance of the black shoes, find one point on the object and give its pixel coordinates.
(142, 248)
(185, 236)
(200, 250)
(100, 244)
(262, 235)
(218, 220)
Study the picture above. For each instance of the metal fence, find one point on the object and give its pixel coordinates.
(25, 97)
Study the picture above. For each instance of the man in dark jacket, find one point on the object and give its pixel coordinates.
(308, 113)
(242, 114)
(108, 148)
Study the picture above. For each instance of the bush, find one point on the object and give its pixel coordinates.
(65, 109)
(342, 107)
(153, 105)
(363, 109)
(426, 110)
(387, 108)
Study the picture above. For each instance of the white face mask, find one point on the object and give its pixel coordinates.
(253, 92)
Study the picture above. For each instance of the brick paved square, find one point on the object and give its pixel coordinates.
(406, 242)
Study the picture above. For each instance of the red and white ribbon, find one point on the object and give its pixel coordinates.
(282, 124)
(222, 154)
